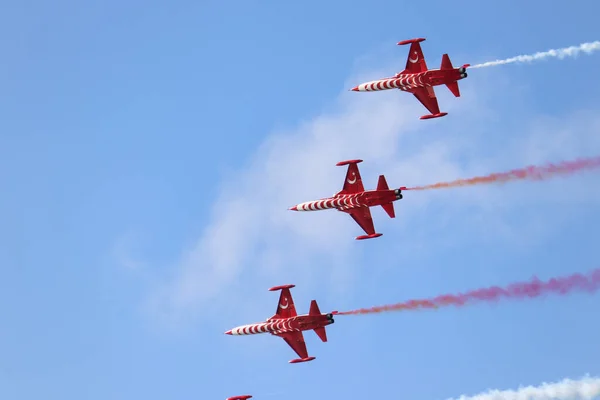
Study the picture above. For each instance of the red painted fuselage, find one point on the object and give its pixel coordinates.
(409, 82)
(344, 202)
(277, 326)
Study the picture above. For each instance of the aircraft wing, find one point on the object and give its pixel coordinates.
(353, 182)
(285, 307)
(296, 341)
(426, 95)
(415, 61)
(362, 216)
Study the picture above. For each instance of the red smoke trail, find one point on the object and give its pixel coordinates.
(532, 172)
(520, 290)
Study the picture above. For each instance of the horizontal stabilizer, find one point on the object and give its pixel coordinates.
(389, 209)
(321, 333)
(453, 86)
(446, 66)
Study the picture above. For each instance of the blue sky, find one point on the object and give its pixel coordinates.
(149, 152)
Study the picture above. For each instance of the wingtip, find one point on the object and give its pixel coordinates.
(301, 360)
(281, 287)
(370, 236)
(432, 116)
(410, 41)
(346, 162)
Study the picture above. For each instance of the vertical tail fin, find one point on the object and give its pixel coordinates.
(388, 207)
(447, 65)
(314, 310)
(382, 183)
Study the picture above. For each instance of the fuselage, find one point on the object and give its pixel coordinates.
(342, 202)
(282, 325)
(412, 81)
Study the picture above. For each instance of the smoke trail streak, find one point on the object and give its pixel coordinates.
(572, 51)
(586, 388)
(531, 172)
(520, 290)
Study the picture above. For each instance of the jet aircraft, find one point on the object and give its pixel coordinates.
(243, 397)
(288, 325)
(419, 80)
(356, 201)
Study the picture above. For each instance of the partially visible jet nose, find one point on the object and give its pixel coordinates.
(229, 332)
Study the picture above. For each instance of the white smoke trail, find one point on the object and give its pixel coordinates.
(586, 388)
(572, 51)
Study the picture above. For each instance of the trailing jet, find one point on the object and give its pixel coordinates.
(419, 80)
(356, 201)
(288, 325)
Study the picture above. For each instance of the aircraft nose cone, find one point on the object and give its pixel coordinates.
(228, 332)
(355, 89)
(295, 208)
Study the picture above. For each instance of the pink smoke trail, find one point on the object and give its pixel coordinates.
(533, 172)
(520, 290)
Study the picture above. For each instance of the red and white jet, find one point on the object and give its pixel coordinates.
(243, 397)
(356, 201)
(419, 80)
(288, 325)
